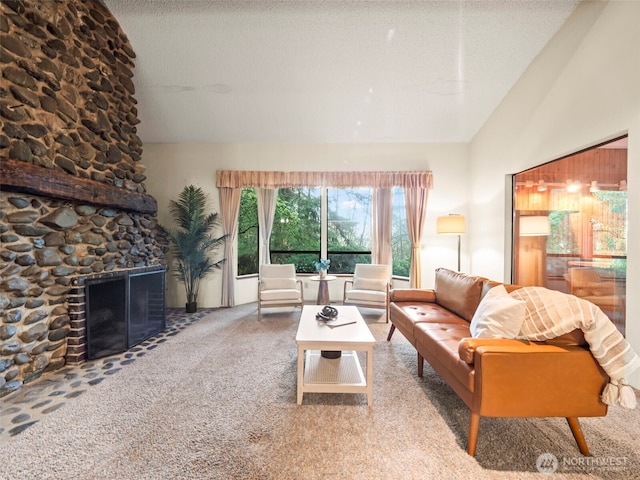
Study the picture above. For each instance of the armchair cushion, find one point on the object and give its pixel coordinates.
(290, 294)
(585, 282)
(599, 289)
(278, 283)
(380, 285)
(367, 296)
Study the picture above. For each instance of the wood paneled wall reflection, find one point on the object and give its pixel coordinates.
(588, 230)
(608, 166)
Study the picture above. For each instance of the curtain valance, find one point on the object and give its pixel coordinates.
(269, 179)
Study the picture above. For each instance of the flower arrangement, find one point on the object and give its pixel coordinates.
(323, 264)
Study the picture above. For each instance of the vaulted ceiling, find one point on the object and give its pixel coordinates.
(329, 71)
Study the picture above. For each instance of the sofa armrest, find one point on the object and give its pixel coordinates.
(467, 346)
(412, 295)
(537, 380)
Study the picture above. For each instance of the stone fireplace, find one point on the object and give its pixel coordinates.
(73, 205)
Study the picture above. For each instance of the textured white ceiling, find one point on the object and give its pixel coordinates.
(329, 71)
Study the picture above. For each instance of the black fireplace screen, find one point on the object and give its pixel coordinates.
(123, 310)
(146, 306)
(106, 316)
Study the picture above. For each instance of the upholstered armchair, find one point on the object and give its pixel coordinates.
(585, 282)
(369, 287)
(278, 286)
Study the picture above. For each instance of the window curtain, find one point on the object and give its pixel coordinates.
(267, 198)
(415, 203)
(230, 209)
(381, 213)
(264, 179)
(231, 182)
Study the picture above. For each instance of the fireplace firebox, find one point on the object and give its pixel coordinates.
(123, 310)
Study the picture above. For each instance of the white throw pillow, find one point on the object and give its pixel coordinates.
(498, 315)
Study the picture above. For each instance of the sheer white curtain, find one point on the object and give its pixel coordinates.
(267, 198)
(415, 205)
(381, 216)
(230, 209)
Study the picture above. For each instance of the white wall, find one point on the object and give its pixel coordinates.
(172, 166)
(583, 88)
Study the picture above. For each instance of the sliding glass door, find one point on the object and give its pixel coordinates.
(570, 227)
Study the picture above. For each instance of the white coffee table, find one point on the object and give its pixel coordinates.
(340, 375)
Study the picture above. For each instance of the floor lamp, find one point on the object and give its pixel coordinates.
(451, 224)
(528, 252)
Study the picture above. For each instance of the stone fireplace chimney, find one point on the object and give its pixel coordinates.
(73, 205)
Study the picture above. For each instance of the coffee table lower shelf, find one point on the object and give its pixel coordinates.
(340, 375)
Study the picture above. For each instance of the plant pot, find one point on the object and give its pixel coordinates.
(191, 307)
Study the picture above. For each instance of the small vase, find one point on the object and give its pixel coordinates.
(323, 274)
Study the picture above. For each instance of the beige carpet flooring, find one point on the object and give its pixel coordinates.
(218, 401)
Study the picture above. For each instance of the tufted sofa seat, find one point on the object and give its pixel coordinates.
(496, 377)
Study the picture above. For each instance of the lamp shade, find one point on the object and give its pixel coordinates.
(534, 226)
(450, 225)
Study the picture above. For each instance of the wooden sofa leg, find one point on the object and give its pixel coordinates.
(576, 429)
(420, 365)
(391, 330)
(474, 423)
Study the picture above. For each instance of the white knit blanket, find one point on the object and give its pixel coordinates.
(550, 313)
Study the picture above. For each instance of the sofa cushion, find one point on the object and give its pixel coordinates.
(438, 343)
(498, 315)
(458, 292)
(406, 315)
(428, 312)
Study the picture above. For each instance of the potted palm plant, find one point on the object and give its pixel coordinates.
(192, 243)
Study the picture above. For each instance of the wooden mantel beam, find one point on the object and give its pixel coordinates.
(25, 177)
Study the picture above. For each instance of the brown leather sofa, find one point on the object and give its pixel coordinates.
(497, 377)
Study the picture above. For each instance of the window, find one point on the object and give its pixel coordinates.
(295, 237)
(348, 228)
(248, 234)
(561, 240)
(400, 243)
(609, 223)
